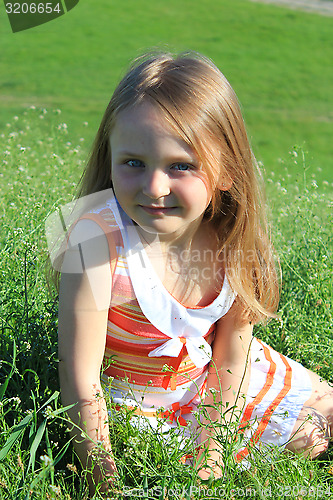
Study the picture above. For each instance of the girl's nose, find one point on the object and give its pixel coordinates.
(156, 184)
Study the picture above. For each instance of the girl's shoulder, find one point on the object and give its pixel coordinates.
(87, 248)
(103, 217)
(93, 238)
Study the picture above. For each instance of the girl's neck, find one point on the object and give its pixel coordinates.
(188, 268)
(176, 242)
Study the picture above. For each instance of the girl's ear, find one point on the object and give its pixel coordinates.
(224, 183)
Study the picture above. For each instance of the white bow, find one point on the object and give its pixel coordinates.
(198, 350)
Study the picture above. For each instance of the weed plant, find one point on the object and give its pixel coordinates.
(41, 166)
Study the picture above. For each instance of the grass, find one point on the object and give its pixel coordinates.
(42, 164)
(278, 60)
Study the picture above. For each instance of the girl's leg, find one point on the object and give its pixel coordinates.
(314, 426)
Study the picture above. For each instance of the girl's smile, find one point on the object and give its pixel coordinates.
(155, 210)
(155, 174)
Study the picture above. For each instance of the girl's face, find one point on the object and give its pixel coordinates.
(156, 175)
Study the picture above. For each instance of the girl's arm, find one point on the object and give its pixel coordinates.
(227, 383)
(83, 308)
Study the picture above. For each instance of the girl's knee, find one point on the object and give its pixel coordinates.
(311, 434)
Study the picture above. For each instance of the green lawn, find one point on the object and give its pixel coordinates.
(42, 165)
(279, 62)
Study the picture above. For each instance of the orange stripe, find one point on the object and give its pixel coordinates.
(268, 384)
(157, 379)
(113, 370)
(121, 346)
(174, 363)
(120, 314)
(138, 359)
(270, 410)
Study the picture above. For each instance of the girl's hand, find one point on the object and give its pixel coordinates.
(228, 380)
(209, 460)
(103, 475)
(214, 467)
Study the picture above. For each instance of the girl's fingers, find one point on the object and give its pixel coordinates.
(212, 465)
(206, 473)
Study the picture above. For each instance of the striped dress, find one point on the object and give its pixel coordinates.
(157, 351)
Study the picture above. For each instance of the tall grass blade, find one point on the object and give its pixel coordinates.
(54, 396)
(3, 387)
(15, 435)
(35, 444)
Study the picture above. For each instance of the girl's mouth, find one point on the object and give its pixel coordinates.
(152, 210)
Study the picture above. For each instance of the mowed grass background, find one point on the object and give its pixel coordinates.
(279, 62)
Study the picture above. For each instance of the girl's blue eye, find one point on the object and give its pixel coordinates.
(134, 163)
(182, 167)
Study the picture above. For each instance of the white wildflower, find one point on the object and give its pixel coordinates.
(133, 441)
(46, 460)
(55, 489)
(15, 399)
(62, 126)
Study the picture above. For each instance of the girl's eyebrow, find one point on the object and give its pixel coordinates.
(181, 158)
(128, 153)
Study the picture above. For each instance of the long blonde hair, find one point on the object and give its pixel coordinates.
(199, 102)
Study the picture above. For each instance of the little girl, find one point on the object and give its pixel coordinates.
(168, 269)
